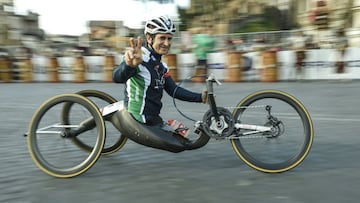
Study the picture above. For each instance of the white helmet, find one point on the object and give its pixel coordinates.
(162, 24)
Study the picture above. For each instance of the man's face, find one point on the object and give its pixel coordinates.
(161, 43)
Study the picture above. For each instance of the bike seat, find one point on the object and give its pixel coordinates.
(151, 136)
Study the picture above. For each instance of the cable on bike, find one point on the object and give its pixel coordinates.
(173, 96)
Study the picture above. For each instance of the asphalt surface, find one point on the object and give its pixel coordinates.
(331, 172)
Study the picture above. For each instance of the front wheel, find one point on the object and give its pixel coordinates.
(50, 140)
(291, 136)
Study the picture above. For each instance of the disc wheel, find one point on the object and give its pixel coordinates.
(288, 142)
(51, 149)
(114, 140)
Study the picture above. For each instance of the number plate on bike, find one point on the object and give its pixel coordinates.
(117, 106)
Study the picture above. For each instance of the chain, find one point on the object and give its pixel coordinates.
(239, 107)
(241, 137)
(246, 107)
(244, 137)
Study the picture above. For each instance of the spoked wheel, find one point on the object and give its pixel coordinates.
(114, 139)
(287, 143)
(50, 139)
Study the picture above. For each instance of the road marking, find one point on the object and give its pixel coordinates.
(335, 119)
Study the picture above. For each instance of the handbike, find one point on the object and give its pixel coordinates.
(270, 130)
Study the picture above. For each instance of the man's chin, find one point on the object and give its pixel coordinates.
(164, 52)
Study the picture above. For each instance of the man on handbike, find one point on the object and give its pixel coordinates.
(146, 76)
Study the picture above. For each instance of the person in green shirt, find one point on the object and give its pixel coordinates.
(204, 43)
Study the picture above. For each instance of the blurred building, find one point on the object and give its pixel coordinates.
(316, 17)
(109, 35)
(325, 17)
(159, 1)
(19, 30)
(313, 16)
(230, 15)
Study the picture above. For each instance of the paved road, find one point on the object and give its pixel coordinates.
(331, 173)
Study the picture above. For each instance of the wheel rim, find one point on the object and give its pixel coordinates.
(280, 153)
(114, 140)
(58, 156)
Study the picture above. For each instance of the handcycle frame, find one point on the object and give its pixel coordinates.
(218, 123)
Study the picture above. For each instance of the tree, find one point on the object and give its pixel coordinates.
(185, 18)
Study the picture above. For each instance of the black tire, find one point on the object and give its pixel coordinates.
(283, 150)
(114, 139)
(54, 153)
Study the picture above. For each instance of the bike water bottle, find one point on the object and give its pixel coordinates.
(178, 127)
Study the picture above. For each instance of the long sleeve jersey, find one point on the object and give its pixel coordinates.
(145, 84)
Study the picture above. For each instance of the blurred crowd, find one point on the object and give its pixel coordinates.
(282, 40)
(244, 42)
(203, 41)
(248, 46)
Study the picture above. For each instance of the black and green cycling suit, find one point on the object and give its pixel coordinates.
(145, 85)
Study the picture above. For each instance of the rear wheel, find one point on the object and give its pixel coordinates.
(290, 138)
(50, 139)
(114, 139)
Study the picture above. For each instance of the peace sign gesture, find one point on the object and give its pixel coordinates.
(133, 56)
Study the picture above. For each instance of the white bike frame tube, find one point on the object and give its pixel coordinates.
(111, 108)
(45, 130)
(257, 128)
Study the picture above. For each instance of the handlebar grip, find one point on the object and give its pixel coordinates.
(212, 78)
(209, 82)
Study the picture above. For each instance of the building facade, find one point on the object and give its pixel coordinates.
(337, 15)
(226, 15)
(317, 17)
(19, 30)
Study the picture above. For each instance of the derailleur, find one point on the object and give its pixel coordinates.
(277, 125)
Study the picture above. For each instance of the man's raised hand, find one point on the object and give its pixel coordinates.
(133, 56)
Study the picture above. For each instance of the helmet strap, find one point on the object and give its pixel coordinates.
(152, 37)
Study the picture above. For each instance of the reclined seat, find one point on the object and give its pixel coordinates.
(153, 136)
